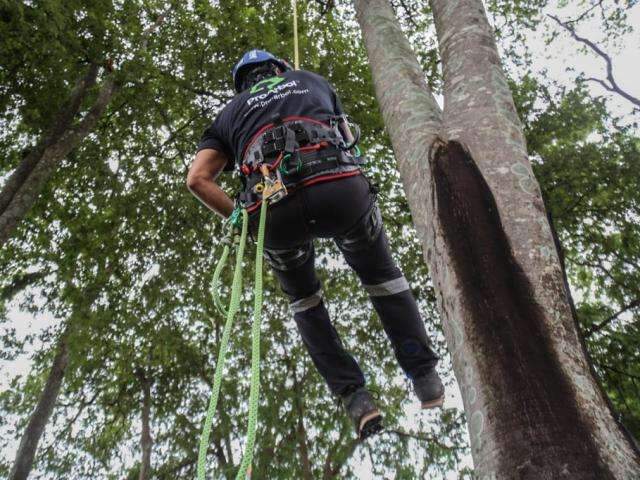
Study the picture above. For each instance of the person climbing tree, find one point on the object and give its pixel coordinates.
(289, 125)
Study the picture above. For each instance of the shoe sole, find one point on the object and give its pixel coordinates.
(438, 402)
(370, 424)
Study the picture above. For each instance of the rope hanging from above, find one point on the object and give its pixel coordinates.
(296, 55)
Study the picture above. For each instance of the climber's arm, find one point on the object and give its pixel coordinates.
(204, 170)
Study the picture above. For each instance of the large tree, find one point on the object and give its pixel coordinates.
(75, 66)
(533, 405)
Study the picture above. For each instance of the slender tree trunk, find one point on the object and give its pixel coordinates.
(146, 442)
(40, 416)
(60, 124)
(27, 181)
(301, 432)
(533, 406)
(49, 396)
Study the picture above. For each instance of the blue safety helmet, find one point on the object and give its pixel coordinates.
(250, 59)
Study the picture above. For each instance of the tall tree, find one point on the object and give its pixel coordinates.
(71, 120)
(533, 405)
(39, 418)
(119, 199)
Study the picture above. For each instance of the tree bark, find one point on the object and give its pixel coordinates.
(533, 405)
(40, 416)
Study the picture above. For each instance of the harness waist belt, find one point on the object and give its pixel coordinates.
(305, 149)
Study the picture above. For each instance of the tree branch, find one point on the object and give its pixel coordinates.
(417, 436)
(19, 283)
(60, 123)
(39, 418)
(410, 15)
(604, 323)
(612, 86)
(28, 180)
(620, 372)
(586, 12)
(334, 470)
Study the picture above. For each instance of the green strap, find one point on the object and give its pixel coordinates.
(234, 304)
(254, 394)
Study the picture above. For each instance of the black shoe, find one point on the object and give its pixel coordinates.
(429, 389)
(363, 412)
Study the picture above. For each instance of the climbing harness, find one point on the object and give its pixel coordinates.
(240, 216)
(295, 151)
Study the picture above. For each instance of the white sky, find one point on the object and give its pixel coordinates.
(554, 60)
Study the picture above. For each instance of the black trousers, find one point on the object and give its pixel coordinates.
(344, 210)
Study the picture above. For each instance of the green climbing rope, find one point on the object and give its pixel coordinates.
(254, 394)
(234, 304)
(215, 282)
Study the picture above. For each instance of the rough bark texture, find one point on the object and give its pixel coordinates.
(533, 406)
(404, 99)
(40, 416)
(25, 184)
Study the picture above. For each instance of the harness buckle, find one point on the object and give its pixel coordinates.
(272, 186)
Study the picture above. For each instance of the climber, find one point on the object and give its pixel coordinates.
(287, 128)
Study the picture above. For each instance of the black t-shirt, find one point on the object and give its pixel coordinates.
(291, 94)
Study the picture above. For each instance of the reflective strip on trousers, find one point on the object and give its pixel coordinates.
(307, 302)
(390, 287)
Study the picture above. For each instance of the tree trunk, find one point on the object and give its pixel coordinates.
(533, 405)
(40, 416)
(146, 441)
(60, 124)
(301, 432)
(27, 181)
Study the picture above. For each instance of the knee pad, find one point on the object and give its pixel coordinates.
(364, 233)
(288, 259)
